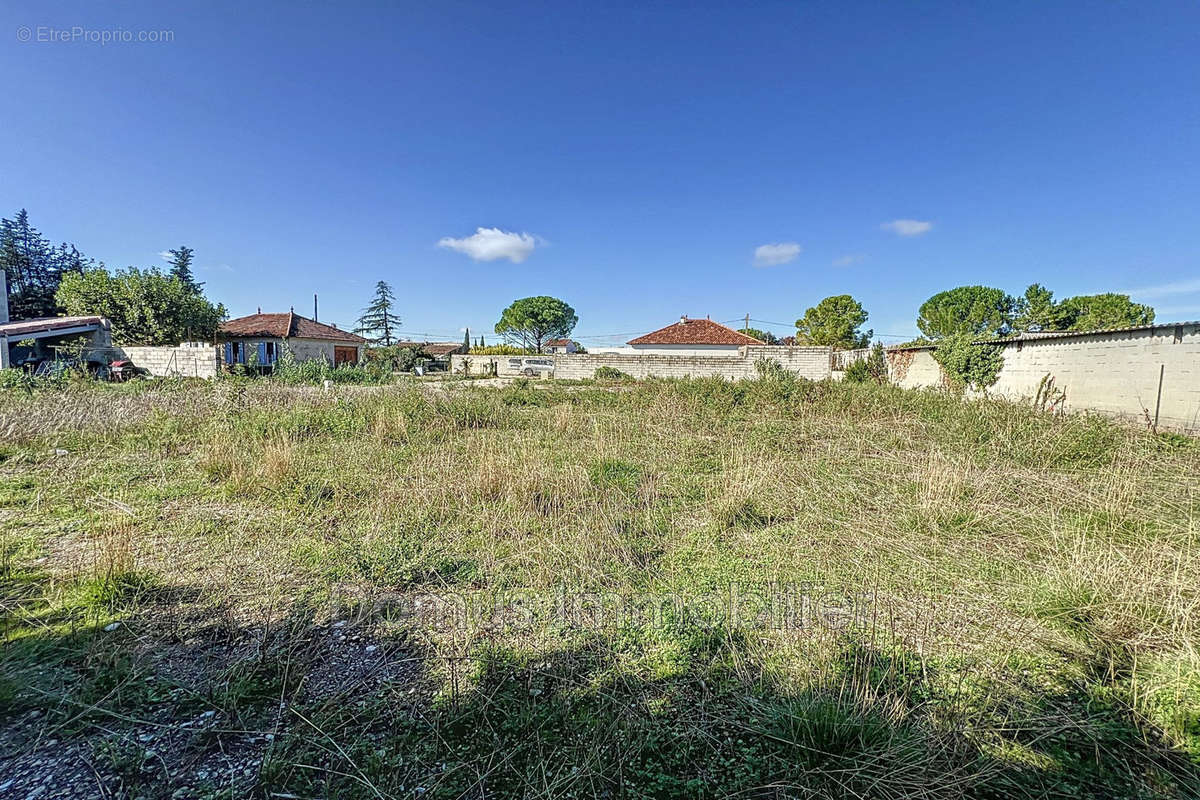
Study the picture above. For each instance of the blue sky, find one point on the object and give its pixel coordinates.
(630, 158)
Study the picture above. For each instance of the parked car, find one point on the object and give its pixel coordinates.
(122, 370)
(532, 367)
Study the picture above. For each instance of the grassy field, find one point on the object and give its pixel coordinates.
(668, 589)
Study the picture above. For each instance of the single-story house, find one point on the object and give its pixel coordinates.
(440, 351)
(31, 341)
(560, 346)
(687, 337)
(260, 338)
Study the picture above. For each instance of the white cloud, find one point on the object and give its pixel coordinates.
(907, 227)
(849, 260)
(489, 244)
(769, 255)
(165, 255)
(1165, 289)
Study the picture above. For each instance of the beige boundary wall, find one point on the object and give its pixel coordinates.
(807, 362)
(1115, 373)
(191, 360)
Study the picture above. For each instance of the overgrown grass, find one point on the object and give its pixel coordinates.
(665, 588)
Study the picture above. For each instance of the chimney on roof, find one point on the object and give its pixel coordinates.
(260, 309)
(291, 309)
(682, 318)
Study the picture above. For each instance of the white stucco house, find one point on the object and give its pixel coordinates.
(687, 337)
(560, 346)
(259, 338)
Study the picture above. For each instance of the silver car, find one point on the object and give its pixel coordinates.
(532, 367)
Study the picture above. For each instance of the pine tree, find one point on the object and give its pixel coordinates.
(466, 340)
(33, 267)
(377, 321)
(181, 268)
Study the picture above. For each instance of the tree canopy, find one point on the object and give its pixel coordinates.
(377, 322)
(970, 310)
(766, 337)
(530, 321)
(1095, 311)
(834, 322)
(144, 306)
(1036, 311)
(34, 268)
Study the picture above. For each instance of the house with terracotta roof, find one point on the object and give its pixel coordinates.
(687, 337)
(260, 339)
(560, 346)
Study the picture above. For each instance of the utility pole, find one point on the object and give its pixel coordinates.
(747, 322)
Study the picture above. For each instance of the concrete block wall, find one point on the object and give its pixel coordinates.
(807, 362)
(1113, 373)
(187, 360)
(914, 369)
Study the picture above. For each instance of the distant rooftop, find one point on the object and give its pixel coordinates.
(697, 332)
(285, 326)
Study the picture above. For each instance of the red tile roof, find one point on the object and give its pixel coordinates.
(435, 349)
(695, 331)
(285, 326)
(558, 343)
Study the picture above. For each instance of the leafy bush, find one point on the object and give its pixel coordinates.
(968, 365)
(873, 368)
(769, 368)
(288, 370)
(500, 350)
(858, 371)
(612, 374)
(394, 357)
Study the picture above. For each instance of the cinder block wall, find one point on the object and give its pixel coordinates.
(914, 369)
(185, 361)
(807, 362)
(1112, 373)
(1115, 373)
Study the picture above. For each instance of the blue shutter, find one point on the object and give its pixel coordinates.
(262, 353)
(229, 352)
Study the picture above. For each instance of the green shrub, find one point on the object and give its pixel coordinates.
(611, 374)
(968, 365)
(500, 350)
(858, 372)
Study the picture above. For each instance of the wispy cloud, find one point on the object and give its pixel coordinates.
(769, 255)
(1190, 286)
(849, 260)
(907, 227)
(165, 255)
(490, 244)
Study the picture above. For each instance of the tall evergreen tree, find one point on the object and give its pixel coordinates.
(34, 268)
(377, 321)
(467, 340)
(181, 268)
